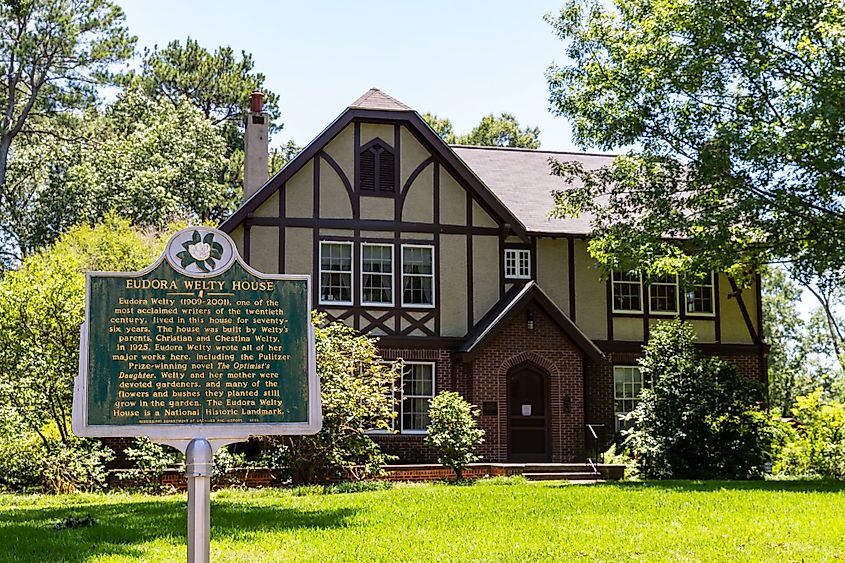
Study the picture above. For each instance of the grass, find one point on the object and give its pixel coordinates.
(495, 521)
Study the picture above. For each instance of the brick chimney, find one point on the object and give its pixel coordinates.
(255, 145)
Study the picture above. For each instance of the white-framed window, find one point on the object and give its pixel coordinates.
(417, 391)
(418, 275)
(335, 273)
(518, 263)
(663, 294)
(376, 274)
(627, 385)
(627, 292)
(699, 298)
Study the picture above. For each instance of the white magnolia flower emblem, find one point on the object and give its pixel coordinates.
(200, 251)
(203, 251)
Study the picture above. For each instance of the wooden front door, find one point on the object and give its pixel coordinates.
(528, 415)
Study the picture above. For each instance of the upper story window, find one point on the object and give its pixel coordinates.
(517, 263)
(627, 385)
(376, 274)
(376, 168)
(418, 275)
(417, 391)
(663, 294)
(699, 298)
(627, 292)
(335, 273)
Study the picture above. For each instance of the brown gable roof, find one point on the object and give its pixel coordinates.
(376, 99)
(522, 180)
(515, 300)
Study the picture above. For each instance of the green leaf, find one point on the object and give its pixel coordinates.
(208, 238)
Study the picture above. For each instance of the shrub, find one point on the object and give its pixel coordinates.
(75, 465)
(817, 445)
(149, 462)
(701, 418)
(354, 387)
(22, 464)
(453, 431)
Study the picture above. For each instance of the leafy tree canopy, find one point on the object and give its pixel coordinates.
(148, 161)
(218, 84)
(492, 131)
(42, 306)
(738, 123)
(53, 57)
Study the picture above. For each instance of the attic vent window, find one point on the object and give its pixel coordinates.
(377, 167)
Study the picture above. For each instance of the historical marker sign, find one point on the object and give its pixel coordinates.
(197, 345)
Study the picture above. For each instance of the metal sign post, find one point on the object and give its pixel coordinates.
(199, 463)
(197, 351)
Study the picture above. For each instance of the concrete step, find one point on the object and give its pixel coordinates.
(561, 476)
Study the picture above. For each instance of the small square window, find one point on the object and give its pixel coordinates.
(517, 263)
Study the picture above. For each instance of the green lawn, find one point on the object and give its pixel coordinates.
(672, 521)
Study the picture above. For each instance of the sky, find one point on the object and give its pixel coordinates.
(461, 59)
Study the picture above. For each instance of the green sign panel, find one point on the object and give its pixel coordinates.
(195, 344)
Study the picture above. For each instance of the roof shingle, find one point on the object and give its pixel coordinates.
(522, 180)
(376, 99)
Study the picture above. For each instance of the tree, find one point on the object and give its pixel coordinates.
(218, 84)
(355, 386)
(42, 306)
(453, 431)
(735, 113)
(802, 355)
(699, 419)
(151, 163)
(817, 445)
(492, 131)
(54, 55)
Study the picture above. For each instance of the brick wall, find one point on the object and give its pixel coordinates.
(544, 347)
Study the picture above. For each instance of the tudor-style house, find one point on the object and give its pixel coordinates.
(447, 253)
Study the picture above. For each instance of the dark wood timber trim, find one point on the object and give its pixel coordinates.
(744, 310)
(708, 348)
(419, 342)
(437, 272)
(470, 281)
(400, 201)
(609, 298)
(356, 134)
(247, 242)
(282, 234)
(376, 225)
(717, 309)
(533, 254)
(521, 299)
(316, 233)
(502, 265)
(417, 127)
(570, 265)
(336, 167)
